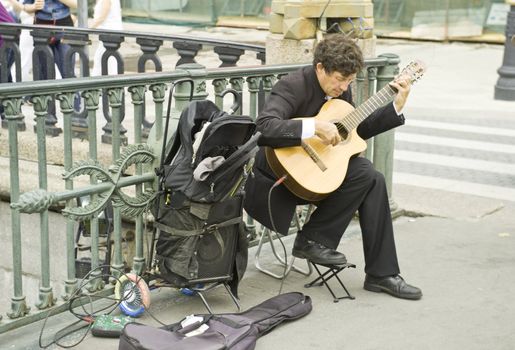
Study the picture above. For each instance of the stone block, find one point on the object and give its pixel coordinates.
(282, 51)
(299, 28)
(276, 23)
(278, 7)
(333, 10)
(368, 47)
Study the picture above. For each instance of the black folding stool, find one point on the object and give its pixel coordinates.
(300, 218)
(323, 278)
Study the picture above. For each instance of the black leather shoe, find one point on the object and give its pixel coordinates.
(393, 285)
(316, 252)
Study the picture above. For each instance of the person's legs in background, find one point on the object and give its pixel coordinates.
(10, 62)
(60, 51)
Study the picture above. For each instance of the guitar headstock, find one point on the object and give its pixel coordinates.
(413, 71)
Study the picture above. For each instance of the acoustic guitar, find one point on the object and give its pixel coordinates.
(315, 169)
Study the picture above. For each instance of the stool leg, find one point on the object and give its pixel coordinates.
(200, 292)
(324, 281)
(332, 271)
(204, 301)
(236, 301)
(344, 288)
(315, 282)
(290, 266)
(266, 232)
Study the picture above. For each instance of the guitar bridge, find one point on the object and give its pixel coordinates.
(314, 156)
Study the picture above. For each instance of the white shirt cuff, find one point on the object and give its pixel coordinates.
(396, 111)
(308, 128)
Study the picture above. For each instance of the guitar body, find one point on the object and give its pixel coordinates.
(313, 179)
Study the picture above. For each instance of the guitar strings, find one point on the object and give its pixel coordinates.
(355, 117)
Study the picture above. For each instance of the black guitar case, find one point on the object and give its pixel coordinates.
(237, 331)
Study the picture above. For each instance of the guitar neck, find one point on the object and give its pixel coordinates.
(353, 119)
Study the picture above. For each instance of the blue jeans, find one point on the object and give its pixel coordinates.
(59, 49)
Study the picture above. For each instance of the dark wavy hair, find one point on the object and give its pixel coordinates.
(339, 53)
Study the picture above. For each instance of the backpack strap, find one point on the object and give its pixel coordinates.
(168, 112)
(206, 229)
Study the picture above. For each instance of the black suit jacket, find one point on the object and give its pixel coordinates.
(296, 95)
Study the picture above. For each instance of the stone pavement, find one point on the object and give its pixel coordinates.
(465, 267)
(456, 243)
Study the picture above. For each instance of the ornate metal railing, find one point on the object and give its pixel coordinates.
(79, 40)
(123, 175)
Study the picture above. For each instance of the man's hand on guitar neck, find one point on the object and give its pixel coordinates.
(402, 85)
(327, 132)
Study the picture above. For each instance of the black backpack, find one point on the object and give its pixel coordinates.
(225, 135)
(236, 331)
(202, 236)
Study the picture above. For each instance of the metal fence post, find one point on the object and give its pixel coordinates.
(155, 138)
(91, 101)
(138, 99)
(384, 143)
(150, 47)
(116, 99)
(78, 43)
(228, 55)
(112, 43)
(187, 51)
(219, 85)
(181, 94)
(505, 86)
(46, 298)
(67, 101)
(19, 306)
(43, 68)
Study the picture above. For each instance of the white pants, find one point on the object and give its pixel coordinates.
(112, 65)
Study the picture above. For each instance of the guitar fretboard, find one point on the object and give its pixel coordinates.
(352, 120)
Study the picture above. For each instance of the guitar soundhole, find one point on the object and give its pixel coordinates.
(342, 130)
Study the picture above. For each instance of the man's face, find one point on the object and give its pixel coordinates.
(334, 84)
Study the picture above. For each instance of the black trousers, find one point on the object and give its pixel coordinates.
(364, 190)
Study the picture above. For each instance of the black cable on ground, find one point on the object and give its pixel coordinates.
(88, 316)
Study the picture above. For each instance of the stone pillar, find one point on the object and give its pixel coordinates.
(297, 25)
(505, 87)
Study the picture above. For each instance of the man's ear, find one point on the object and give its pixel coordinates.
(319, 67)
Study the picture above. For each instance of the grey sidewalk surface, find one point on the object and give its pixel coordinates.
(458, 248)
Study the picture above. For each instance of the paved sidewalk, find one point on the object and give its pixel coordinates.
(458, 248)
(465, 268)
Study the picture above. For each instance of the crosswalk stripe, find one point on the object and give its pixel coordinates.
(453, 142)
(455, 162)
(460, 127)
(456, 186)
